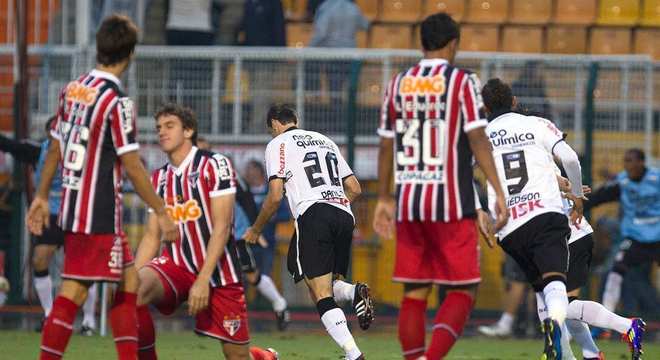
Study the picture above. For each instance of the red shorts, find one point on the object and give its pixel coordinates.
(95, 257)
(437, 252)
(224, 319)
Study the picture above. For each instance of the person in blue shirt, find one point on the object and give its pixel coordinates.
(637, 189)
(245, 213)
(52, 238)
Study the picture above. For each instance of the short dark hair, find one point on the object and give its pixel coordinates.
(115, 39)
(438, 30)
(638, 152)
(497, 96)
(185, 114)
(49, 124)
(284, 113)
(259, 165)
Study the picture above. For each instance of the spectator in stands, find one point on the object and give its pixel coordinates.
(255, 176)
(229, 20)
(189, 23)
(529, 88)
(336, 24)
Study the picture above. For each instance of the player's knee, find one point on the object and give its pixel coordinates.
(416, 291)
(75, 291)
(148, 286)
(550, 277)
(253, 277)
(236, 352)
(130, 281)
(39, 262)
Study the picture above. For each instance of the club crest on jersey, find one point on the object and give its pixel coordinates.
(423, 85)
(232, 324)
(188, 211)
(192, 178)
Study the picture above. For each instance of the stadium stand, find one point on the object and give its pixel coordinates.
(487, 11)
(609, 41)
(618, 12)
(646, 42)
(298, 34)
(526, 39)
(479, 38)
(391, 37)
(369, 8)
(401, 10)
(562, 39)
(455, 8)
(531, 11)
(650, 15)
(575, 12)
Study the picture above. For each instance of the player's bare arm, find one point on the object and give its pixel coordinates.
(140, 179)
(150, 243)
(384, 215)
(352, 188)
(38, 215)
(482, 150)
(222, 209)
(268, 209)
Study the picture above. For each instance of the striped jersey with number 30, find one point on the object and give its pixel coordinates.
(428, 110)
(95, 125)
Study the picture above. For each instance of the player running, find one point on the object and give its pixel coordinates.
(431, 125)
(202, 266)
(95, 132)
(320, 187)
(537, 232)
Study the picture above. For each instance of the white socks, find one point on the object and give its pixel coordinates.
(343, 291)
(44, 287)
(542, 311)
(582, 335)
(89, 316)
(596, 314)
(612, 290)
(506, 321)
(335, 324)
(556, 300)
(267, 288)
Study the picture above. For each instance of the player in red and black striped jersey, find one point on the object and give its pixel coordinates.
(202, 266)
(95, 129)
(432, 124)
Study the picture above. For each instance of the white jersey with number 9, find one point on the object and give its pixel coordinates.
(312, 168)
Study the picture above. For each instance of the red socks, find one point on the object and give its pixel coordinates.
(449, 323)
(57, 328)
(261, 354)
(123, 321)
(146, 334)
(412, 316)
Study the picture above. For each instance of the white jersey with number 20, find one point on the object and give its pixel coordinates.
(522, 150)
(312, 168)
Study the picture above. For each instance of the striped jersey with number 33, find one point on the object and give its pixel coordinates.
(428, 111)
(95, 125)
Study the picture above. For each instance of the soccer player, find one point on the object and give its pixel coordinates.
(320, 187)
(537, 233)
(431, 126)
(95, 132)
(201, 266)
(245, 213)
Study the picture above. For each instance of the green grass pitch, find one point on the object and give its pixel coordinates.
(313, 345)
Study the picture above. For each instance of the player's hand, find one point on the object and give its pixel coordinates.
(38, 216)
(261, 240)
(577, 211)
(564, 184)
(251, 236)
(167, 227)
(501, 212)
(485, 227)
(384, 217)
(198, 297)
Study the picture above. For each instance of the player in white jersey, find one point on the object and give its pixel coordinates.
(320, 187)
(537, 232)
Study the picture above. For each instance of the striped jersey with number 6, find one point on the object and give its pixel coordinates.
(428, 110)
(95, 125)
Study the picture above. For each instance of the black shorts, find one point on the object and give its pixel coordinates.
(245, 256)
(540, 246)
(511, 271)
(579, 262)
(52, 235)
(633, 253)
(321, 243)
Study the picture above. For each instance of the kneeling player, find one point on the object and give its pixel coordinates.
(201, 266)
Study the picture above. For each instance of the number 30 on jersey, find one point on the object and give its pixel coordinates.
(433, 132)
